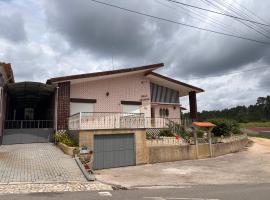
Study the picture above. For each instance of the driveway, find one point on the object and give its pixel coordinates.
(251, 165)
(37, 163)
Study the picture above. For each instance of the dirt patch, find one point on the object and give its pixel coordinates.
(261, 141)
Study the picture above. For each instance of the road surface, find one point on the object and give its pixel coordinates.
(217, 192)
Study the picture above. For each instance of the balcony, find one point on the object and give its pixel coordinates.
(112, 120)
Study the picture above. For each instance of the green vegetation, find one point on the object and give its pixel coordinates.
(260, 112)
(261, 135)
(254, 124)
(225, 127)
(166, 133)
(64, 138)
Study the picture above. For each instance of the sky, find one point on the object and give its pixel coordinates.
(49, 38)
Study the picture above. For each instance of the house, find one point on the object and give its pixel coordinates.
(109, 111)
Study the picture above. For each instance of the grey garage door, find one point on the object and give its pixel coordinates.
(25, 136)
(114, 151)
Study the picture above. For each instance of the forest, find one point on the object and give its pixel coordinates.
(260, 112)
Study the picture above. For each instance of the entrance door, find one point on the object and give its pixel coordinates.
(114, 151)
(28, 113)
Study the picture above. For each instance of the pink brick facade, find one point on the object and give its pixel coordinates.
(126, 88)
(174, 111)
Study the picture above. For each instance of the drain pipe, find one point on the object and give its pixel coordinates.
(56, 110)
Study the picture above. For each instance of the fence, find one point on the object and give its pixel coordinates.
(113, 120)
(230, 139)
(166, 141)
(21, 124)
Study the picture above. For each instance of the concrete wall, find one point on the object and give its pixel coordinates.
(231, 147)
(86, 138)
(159, 154)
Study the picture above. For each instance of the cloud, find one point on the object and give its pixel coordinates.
(105, 31)
(12, 27)
(44, 39)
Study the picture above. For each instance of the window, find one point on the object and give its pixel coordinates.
(131, 108)
(81, 107)
(164, 112)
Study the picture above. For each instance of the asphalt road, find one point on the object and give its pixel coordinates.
(220, 192)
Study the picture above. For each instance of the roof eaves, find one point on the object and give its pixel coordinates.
(104, 73)
(8, 71)
(175, 81)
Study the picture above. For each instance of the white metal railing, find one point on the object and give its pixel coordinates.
(113, 120)
(232, 138)
(22, 124)
(105, 120)
(164, 141)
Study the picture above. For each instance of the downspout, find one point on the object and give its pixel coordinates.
(56, 109)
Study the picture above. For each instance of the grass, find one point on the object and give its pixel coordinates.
(260, 135)
(255, 124)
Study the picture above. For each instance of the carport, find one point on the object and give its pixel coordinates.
(29, 113)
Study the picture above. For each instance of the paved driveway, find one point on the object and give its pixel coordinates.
(248, 166)
(36, 163)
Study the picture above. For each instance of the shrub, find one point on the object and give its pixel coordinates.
(166, 133)
(64, 138)
(200, 133)
(225, 127)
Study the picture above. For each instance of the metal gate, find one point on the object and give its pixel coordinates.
(116, 150)
(25, 136)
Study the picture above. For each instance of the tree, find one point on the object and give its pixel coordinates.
(258, 112)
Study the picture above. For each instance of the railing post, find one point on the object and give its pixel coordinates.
(80, 120)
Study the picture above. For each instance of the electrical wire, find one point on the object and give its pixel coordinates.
(219, 13)
(180, 23)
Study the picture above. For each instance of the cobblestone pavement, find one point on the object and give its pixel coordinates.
(24, 188)
(41, 162)
(26, 168)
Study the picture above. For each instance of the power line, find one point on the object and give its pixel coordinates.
(226, 74)
(219, 13)
(240, 13)
(179, 23)
(250, 11)
(197, 16)
(222, 26)
(216, 4)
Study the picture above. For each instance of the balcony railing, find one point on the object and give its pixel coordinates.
(110, 120)
(22, 124)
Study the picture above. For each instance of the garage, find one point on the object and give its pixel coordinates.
(117, 150)
(29, 113)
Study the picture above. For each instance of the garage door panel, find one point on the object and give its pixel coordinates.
(98, 160)
(128, 157)
(114, 151)
(99, 145)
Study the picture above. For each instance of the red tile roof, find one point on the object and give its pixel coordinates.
(203, 124)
